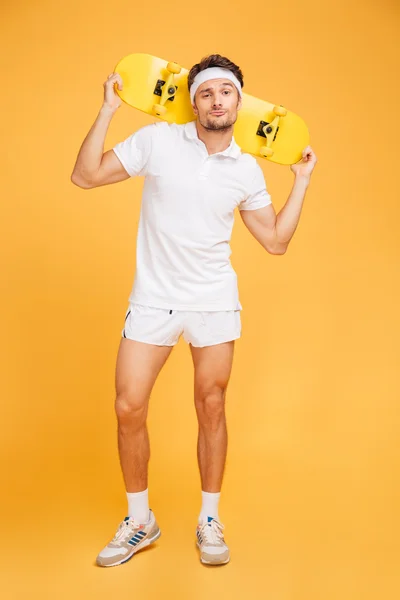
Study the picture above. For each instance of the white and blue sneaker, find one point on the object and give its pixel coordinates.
(130, 537)
(211, 543)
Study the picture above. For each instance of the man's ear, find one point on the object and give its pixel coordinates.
(196, 112)
(239, 106)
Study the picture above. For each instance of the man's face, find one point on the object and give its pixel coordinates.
(216, 104)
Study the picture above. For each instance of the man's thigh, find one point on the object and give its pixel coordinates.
(137, 368)
(212, 366)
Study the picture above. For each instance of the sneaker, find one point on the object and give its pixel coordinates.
(211, 543)
(130, 537)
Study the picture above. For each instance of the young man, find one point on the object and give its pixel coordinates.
(195, 177)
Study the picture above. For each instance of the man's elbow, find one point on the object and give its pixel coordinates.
(278, 253)
(278, 249)
(80, 182)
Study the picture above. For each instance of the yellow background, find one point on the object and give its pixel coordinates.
(310, 499)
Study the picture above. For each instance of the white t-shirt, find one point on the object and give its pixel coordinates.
(187, 215)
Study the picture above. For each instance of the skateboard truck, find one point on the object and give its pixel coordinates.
(166, 89)
(269, 130)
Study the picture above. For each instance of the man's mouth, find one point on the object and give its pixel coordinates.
(218, 112)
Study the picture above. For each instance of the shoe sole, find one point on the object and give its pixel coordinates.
(145, 543)
(209, 562)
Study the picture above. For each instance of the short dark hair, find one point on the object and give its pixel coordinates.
(214, 60)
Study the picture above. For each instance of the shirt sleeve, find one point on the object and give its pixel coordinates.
(134, 152)
(258, 195)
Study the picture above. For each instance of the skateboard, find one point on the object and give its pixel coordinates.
(159, 88)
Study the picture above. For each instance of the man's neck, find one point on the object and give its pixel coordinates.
(215, 141)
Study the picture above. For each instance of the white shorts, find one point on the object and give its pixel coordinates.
(164, 327)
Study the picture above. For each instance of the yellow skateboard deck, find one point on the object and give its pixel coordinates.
(159, 88)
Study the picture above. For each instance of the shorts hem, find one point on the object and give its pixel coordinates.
(215, 343)
(146, 341)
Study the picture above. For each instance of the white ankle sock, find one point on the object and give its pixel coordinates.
(209, 507)
(138, 505)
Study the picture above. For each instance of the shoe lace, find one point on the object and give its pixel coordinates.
(125, 531)
(212, 532)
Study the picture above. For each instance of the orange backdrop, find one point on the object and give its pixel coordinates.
(311, 492)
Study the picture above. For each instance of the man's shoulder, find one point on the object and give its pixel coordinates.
(155, 127)
(247, 158)
(248, 162)
(163, 129)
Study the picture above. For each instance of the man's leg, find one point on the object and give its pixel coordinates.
(138, 365)
(213, 365)
(212, 369)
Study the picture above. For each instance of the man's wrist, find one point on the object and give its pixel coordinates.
(106, 110)
(303, 179)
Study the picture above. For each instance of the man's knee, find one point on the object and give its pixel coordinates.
(210, 403)
(131, 409)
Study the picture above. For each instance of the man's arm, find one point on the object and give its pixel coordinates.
(274, 231)
(93, 167)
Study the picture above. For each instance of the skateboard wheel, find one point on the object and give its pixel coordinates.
(280, 111)
(173, 67)
(266, 152)
(159, 109)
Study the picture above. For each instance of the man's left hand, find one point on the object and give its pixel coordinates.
(306, 165)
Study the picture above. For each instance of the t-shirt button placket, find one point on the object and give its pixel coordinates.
(203, 174)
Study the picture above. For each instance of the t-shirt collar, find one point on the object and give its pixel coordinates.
(233, 149)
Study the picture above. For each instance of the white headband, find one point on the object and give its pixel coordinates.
(213, 73)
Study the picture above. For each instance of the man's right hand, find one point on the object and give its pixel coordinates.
(111, 99)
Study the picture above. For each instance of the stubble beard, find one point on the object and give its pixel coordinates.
(217, 125)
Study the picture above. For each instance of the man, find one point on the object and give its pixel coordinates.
(195, 177)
